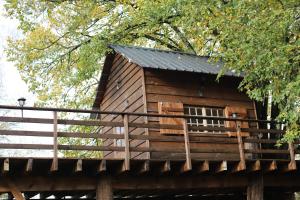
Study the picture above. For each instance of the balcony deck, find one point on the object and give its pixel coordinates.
(60, 176)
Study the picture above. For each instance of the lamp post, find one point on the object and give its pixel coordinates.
(22, 101)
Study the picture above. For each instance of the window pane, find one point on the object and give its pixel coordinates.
(120, 142)
(214, 113)
(208, 112)
(193, 112)
(221, 112)
(199, 111)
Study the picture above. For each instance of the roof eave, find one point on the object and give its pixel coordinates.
(103, 79)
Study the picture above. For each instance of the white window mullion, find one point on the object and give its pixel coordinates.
(204, 120)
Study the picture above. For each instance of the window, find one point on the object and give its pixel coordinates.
(204, 111)
(119, 142)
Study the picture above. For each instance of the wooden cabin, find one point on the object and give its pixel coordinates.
(169, 130)
(145, 80)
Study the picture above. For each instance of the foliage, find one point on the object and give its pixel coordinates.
(81, 141)
(65, 41)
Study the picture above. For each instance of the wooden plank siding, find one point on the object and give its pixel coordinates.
(184, 87)
(124, 92)
(131, 88)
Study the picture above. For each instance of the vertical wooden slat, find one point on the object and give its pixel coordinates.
(241, 145)
(127, 144)
(102, 166)
(292, 164)
(5, 168)
(54, 166)
(29, 165)
(188, 162)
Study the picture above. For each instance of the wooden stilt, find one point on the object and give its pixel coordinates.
(14, 190)
(255, 190)
(104, 188)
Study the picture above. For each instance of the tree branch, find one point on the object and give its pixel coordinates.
(162, 42)
(182, 37)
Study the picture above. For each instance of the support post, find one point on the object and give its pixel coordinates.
(188, 161)
(54, 166)
(127, 144)
(14, 190)
(241, 146)
(255, 190)
(104, 189)
(292, 164)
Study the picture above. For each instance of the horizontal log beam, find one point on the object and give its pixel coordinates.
(149, 183)
(130, 113)
(137, 149)
(194, 138)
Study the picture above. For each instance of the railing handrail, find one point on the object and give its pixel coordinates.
(239, 133)
(69, 110)
(240, 138)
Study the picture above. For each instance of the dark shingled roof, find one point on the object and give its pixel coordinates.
(169, 60)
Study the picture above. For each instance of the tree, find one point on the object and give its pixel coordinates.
(65, 41)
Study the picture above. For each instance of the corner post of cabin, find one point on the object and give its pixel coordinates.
(255, 189)
(188, 162)
(127, 144)
(54, 166)
(104, 190)
(241, 145)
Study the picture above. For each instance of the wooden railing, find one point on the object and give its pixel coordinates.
(263, 140)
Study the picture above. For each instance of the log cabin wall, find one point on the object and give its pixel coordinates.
(193, 89)
(123, 93)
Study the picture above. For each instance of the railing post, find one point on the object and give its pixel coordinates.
(241, 145)
(54, 166)
(127, 144)
(292, 164)
(188, 163)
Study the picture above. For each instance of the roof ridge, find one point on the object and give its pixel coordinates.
(154, 49)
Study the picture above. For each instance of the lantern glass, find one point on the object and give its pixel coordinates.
(21, 101)
(234, 115)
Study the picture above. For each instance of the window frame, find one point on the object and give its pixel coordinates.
(204, 113)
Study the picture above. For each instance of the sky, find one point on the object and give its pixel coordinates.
(11, 80)
(12, 88)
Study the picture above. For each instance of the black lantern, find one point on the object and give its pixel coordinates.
(22, 101)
